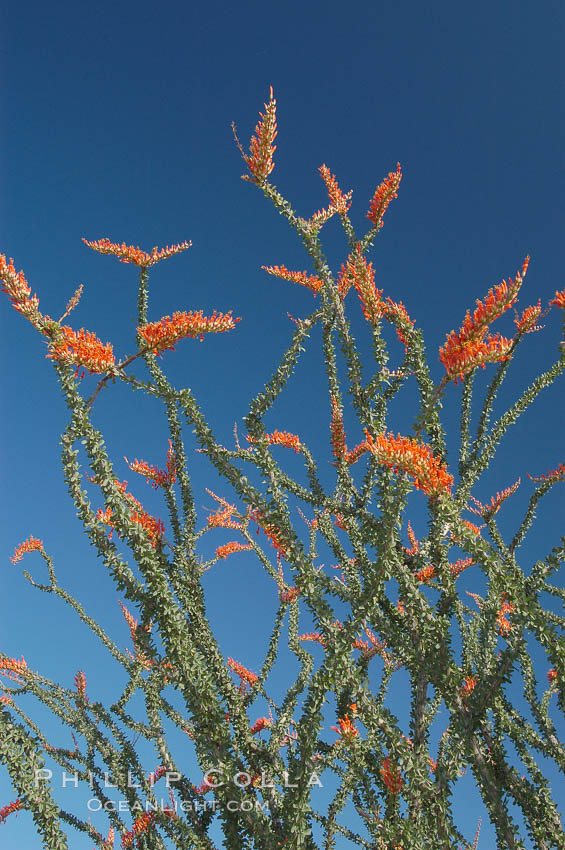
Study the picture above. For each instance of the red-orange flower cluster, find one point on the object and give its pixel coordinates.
(133, 623)
(82, 348)
(553, 474)
(314, 637)
(14, 806)
(559, 300)
(166, 333)
(244, 674)
(310, 281)
(407, 455)
(487, 511)
(261, 148)
(526, 323)
(471, 347)
(154, 476)
(468, 686)
(153, 527)
(460, 360)
(272, 532)
(32, 544)
(15, 285)
(370, 647)
(384, 194)
(288, 594)
(396, 312)
(155, 775)
(460, 565)
(414, 547)
(425, 574)
(392, 776)
(281, 438)
(229, 548)
(346, 728)
(141, 825)
(339, 201)
(130, 254)
(551, 676)
(260, 724)
(474, 529)
(12, 668)
(337, 437)
(80, 684)
(359, 273)
(222, 518)
(504, 626)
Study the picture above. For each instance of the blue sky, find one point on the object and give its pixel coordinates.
(116, 122)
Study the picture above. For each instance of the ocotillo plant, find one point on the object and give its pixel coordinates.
(397, 605)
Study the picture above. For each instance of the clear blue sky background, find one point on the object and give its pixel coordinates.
(116, 122)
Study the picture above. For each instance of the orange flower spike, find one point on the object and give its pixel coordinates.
(152, 526)
(140, 826)
(407, 455)
(82, 348)
(320, 218)
(32, 544)
(468, 348)
(526, 323)
(559, 300)
(338, 200)
(12, 668)
(359, 273)
(346, 728)
(154, 476)
(499, 299)
(392, 776)
(474, 529)
(460, 359)
(425, 574)
(222, 519)
(80, 684)
(205, 786)
(553, 475)
(414, 545)
(244, 674)
(352, 455)
(130, 254)
(460, 565)
(261, 148)
(229, 548)
(384, 194)
(15, 285)
(281, 438)
(7, 810)
(313, 637)
(271, 531)
(166, 333)
(487, 511)
(132, 623)
(468, 687)
(310, 281)
(260, 724)
(289, 595)
(157, 774)
(504, 626)
(396, 312)
(551, 676)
